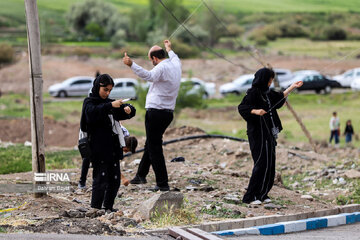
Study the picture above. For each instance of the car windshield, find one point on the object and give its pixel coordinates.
(300, 77)
(242, 79)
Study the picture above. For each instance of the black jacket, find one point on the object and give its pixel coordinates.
(256, 98)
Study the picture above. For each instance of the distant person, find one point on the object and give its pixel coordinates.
(160, 104)
(99, 118)
(349, 131)
(258, 108)
(334, 128)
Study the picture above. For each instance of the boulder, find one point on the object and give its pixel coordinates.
(160, 203)
(352, 174)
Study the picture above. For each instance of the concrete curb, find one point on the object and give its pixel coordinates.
(263, 220)
(295, 226)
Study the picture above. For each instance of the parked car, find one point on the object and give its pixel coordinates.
(283, 74)
(239, 85)
(124, 88)
(75, 86)
(199, 85)
(355, 84)
(347, 77)
(314, 81)
(287, 83)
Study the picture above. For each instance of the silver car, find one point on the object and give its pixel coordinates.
(75, 86)
(124, 88)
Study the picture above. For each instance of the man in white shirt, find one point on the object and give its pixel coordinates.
(160, 103)
(334, 128)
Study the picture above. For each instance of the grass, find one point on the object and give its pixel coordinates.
(17, 158)
(173, 217)
(218, 210)
(321, 49)
(353, 198)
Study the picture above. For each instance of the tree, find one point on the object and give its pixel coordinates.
(96, 19)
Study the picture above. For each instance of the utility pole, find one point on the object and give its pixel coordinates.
(36, 87)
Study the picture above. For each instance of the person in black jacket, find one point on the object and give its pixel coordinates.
(100, 116)
(258, 108)
(349, 131)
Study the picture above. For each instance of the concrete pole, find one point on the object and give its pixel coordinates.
(36, 87)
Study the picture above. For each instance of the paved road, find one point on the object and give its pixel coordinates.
(345, 232)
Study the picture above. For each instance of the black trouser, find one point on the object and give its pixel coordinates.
(156, 122)
(263, 173)
(84, 170)
(106, 183)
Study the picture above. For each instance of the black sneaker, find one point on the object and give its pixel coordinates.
(138, 180)
(162, 189)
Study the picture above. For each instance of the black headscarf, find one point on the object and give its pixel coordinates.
(94, 97)
(262, 78)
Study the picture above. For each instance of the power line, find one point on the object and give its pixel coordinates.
(199, 42)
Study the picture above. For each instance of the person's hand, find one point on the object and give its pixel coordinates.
(116, 103)
(259, 112)
(167, 44)
(127, 109)
(297, 84)
(127, 60)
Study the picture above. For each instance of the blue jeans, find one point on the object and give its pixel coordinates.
(348, 137)
(334, 134)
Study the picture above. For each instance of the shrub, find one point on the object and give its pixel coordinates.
(6, 53)
(118, 40)
(292, 30)
(335, 33)
(184, 50)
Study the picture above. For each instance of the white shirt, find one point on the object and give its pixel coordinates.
(165, 78)
(334, 123)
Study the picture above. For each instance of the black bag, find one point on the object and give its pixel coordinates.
(84, 148)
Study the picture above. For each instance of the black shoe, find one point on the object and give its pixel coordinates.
(138, 180)
(162, 189)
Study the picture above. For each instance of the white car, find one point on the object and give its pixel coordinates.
(124, 88)
(347, 77)
(355, 84)
(283, 74)
(75, 86)
(239, 85)
(198, 85)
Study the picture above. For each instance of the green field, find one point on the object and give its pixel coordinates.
(14, 9)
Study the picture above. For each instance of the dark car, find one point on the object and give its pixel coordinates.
(316, 82)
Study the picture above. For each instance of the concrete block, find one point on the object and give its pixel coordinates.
(271, 229)
(294, 226)
(336, 220)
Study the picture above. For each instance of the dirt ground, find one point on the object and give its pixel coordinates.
(213, 179)
(14, 78)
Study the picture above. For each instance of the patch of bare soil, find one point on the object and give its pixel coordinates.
(213, 178)
(15, 77)
(63, 134)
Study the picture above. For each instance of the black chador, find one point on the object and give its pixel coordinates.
(262, 133)
(105, 145)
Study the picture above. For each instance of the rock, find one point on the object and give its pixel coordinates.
(82, 209)
(27, 144)
(307, 197)
(295, 185)
(308, 179)
(206, 189)
(158, 203)
(92, 213)
(272, 206)
(72, 213)
(119, 228)
(191, 188)
(241, 154)
(278, 180)
(232, 198)
(352, 174)
(135, 162)
(223, 165)
(342, 181)
(128, 222)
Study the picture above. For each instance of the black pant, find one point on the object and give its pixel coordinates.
(263, 173)
(84, 171)
(106, 183)
(156, 122)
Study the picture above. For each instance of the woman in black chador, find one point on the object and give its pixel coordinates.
(258, 108)
(100, 116)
